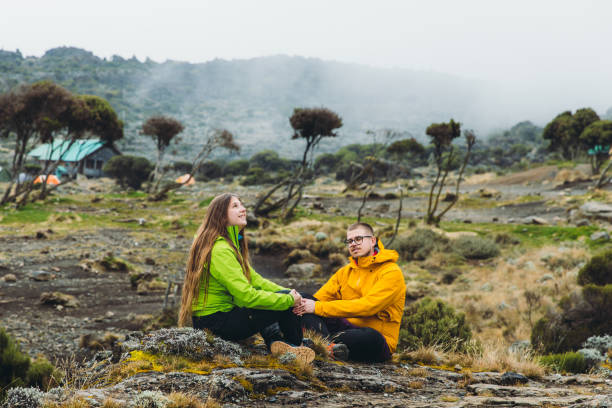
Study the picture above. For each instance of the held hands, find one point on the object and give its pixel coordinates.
(297, 298)
(305, 306)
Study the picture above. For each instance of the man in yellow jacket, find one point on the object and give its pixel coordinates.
(362, 304)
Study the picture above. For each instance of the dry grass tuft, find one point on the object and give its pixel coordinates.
(496, 357)
(320, 343)
(415, 385)
(429, 355)
(111, 403)
(74, 402)
(182, 400)
(418, 372)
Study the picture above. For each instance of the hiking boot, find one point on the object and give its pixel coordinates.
(301, 353)
(338, 351)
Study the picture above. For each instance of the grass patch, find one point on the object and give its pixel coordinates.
(206, 202)
(29, 214)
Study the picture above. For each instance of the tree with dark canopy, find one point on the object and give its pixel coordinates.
(564, 131)
(442, 136)
(162, 129)
(311, 125)
(44, 112)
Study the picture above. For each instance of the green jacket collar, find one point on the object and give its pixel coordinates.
(234, 233)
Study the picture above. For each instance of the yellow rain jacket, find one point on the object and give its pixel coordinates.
(370, 292)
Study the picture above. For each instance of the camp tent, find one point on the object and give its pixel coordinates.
(52, 179)
(186, 179)
(4, 175)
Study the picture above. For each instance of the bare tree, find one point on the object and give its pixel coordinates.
(217, 139)
(442, 135)
(163, 130)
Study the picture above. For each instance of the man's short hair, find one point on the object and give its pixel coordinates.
(362, 225)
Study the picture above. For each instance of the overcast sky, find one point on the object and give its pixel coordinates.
(556, 46)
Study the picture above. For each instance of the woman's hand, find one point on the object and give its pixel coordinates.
(306, 306)
(297, 298)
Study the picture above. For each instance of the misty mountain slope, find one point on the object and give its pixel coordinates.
(254, 98)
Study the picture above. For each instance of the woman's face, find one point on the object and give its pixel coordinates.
(236, 213)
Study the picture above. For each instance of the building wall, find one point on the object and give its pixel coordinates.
(92, 164)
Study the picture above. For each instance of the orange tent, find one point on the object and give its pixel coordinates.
(52, 179)
(186, 179)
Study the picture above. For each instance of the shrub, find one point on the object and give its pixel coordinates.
(570, 362)
(420, 244)
(236, 167)
(210, 170)
(475, 247)
(431, 322)
(592, 357)
(128, 171)
(269, 160)
(598, 270)
(23, 398)
(584, 315)
(504, 238)
(149, 399)
(300, 256)
(599, 343)
(13, 363)
(42, 374)
(182, 166)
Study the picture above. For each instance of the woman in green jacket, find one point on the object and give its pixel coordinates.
(224, 294)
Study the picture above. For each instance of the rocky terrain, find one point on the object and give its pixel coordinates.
(59, 289)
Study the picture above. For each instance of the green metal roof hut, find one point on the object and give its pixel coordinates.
(84, 156)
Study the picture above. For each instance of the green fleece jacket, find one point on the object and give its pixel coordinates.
(228, 287)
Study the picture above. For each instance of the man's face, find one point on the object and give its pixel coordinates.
(365, 247)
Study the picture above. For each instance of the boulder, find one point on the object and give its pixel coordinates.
(488, 193)
(304, 270)
(9, 277)
(600, 236)
(41, 276)
(58, 298)
(535, 220)
(512, 378)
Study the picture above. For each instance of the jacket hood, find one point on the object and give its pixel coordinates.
(234, 233)
(383, 255)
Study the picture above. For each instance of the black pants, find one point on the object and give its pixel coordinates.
(240, 323)
(364, 343)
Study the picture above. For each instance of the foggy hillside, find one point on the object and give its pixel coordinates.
(254, 98)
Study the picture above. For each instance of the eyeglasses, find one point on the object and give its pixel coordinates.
(357, 240)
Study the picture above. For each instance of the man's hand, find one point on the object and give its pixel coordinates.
(306, 306)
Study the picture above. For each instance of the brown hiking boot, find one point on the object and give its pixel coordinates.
(301, 353)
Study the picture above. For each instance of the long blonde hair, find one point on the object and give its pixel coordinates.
(214, 225)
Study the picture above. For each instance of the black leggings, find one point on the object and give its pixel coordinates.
(240, 323)
(364, 343)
